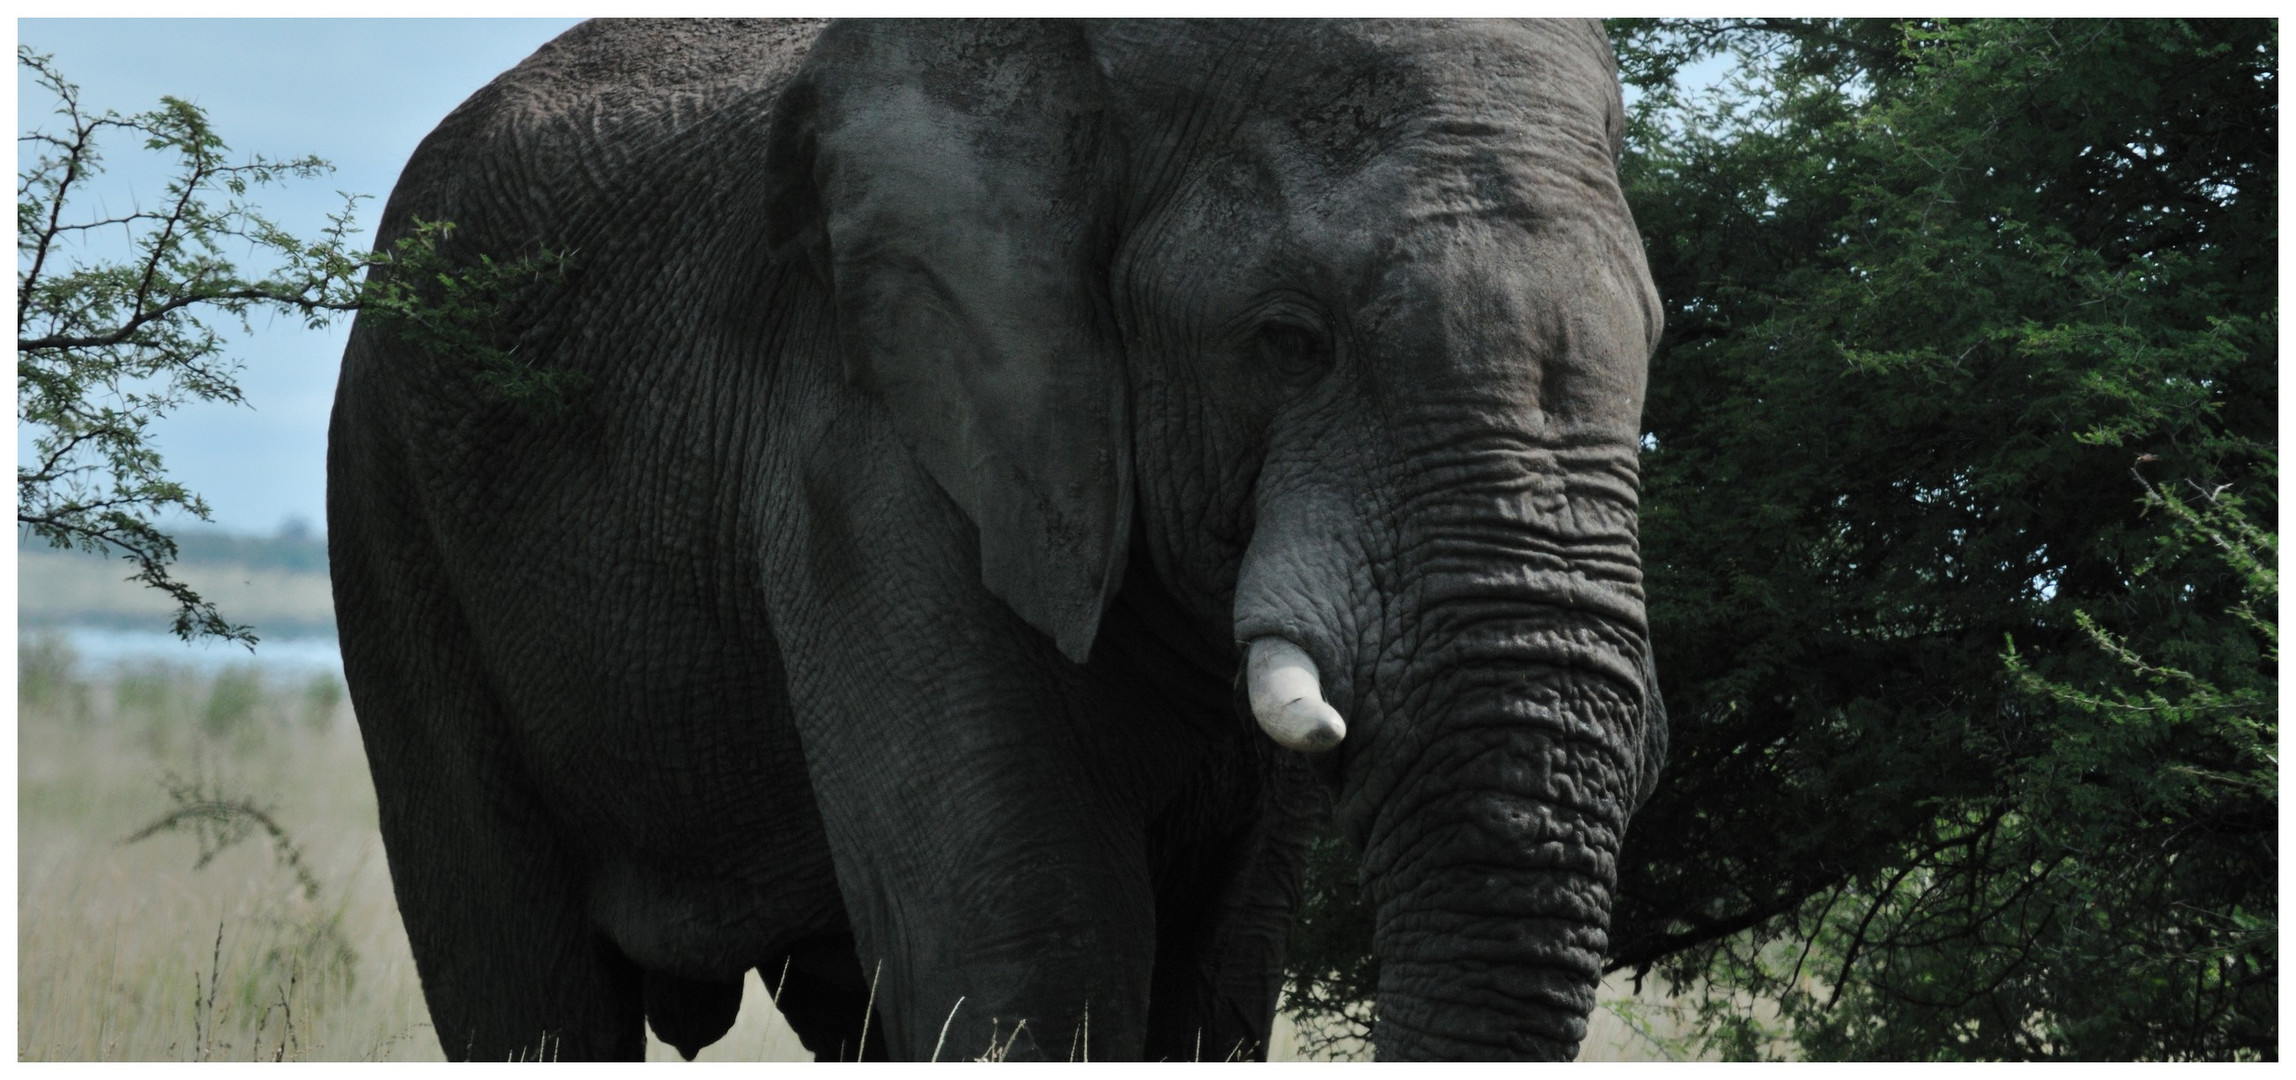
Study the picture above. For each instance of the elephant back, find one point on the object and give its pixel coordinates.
(579, 132)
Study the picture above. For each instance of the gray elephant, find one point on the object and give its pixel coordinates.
(985, 424)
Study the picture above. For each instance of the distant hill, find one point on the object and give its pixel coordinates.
(277, 583)
(295, 548)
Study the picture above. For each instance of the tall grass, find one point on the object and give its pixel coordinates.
(257, 923)
(187, 944)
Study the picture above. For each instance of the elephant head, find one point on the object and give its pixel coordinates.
(1339, 329)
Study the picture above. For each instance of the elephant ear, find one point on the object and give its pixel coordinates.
(944, 179)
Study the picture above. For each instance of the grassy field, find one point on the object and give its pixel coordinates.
(279, 947)
(214, 937)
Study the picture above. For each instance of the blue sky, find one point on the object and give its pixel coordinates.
(358, 92)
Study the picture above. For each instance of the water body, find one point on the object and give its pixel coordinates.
(102, 647)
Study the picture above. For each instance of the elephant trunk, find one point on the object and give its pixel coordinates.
(1505, 775)
(1501, 724)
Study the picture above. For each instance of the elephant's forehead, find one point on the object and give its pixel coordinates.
(1544, 87)
(1419, 233)
(1389, 166)
(1372, 131)
(1345, 91)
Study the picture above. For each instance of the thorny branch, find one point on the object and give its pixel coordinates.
(107, 347)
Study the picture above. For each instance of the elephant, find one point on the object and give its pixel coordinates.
(1022, 474)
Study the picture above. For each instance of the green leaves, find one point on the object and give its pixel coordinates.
(469, 307)
(1330, 975)
(1933, 288)
(107, 346)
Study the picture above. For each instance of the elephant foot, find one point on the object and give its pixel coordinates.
(688, 1013)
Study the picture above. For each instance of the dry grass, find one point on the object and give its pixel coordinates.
(117, 952)
(1625, 1027)
(130, 952)
(135, 952)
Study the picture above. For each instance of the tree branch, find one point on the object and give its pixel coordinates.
(126, 332)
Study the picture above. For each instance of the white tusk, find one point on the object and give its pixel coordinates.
(1287, 697)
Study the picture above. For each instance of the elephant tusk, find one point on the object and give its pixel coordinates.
(1287, 697)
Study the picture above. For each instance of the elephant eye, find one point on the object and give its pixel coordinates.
(1295, 350)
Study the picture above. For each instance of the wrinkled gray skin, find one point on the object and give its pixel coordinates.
(964, 395)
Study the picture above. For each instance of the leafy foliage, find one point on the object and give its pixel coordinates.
(107, 347)
(1933, 288)
(441, 301)
(1331, 975)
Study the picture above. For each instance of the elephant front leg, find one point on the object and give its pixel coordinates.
(1224, 913)
(991, 860)
(996, 884)
(996, 913)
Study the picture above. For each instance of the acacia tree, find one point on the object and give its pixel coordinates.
(109, 345)
(1973, 730)
(106, 347)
